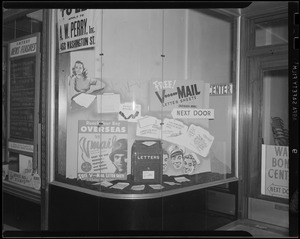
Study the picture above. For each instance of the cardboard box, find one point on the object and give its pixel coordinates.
(146, 164)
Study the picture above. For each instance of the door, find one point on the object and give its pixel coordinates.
(268, 160)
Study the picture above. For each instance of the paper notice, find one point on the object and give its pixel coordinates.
(156, 186)
(84, 99)
(25, 164)
(148, 121)
(20, 178)
(149, 127)
(130, 112)
(173, 128)
(200, 139)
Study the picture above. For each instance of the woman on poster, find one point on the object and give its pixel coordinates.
(79, 82)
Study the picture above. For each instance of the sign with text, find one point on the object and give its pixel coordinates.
(275, 171)
(220, 89)
(166, 95)
(179, 113)
(20, 178)
(23, 47)
(76, 29)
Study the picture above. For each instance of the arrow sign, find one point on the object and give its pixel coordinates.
(278, 190)
(183, 113)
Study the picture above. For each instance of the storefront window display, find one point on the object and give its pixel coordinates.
(145, 100)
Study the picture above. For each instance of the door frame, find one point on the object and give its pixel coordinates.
(270, 58)
(275, 209)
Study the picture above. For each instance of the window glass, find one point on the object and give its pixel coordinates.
(145, 100)
(23, 26)
(9, 30)
(275, 107)
(271, 33)
(275, 159)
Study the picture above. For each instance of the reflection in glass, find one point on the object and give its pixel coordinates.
(275, 158)
(275, 107)
(271, 33)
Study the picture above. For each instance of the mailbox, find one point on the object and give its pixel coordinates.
(146, 164)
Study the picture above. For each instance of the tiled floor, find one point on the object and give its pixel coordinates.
(256, 229)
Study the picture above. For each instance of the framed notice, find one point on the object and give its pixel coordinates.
(23, 97)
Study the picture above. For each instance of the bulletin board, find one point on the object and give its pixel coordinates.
(23, 108)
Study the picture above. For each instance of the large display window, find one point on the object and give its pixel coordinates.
(145, 101)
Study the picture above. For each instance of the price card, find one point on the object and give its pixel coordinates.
(182, 179)
(156, 186)
(138, 187)
(120, 185)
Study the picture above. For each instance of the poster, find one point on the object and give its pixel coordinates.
(76, 29)
(168, 95)
(275, 171)
(83, 86)
(102, 150)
